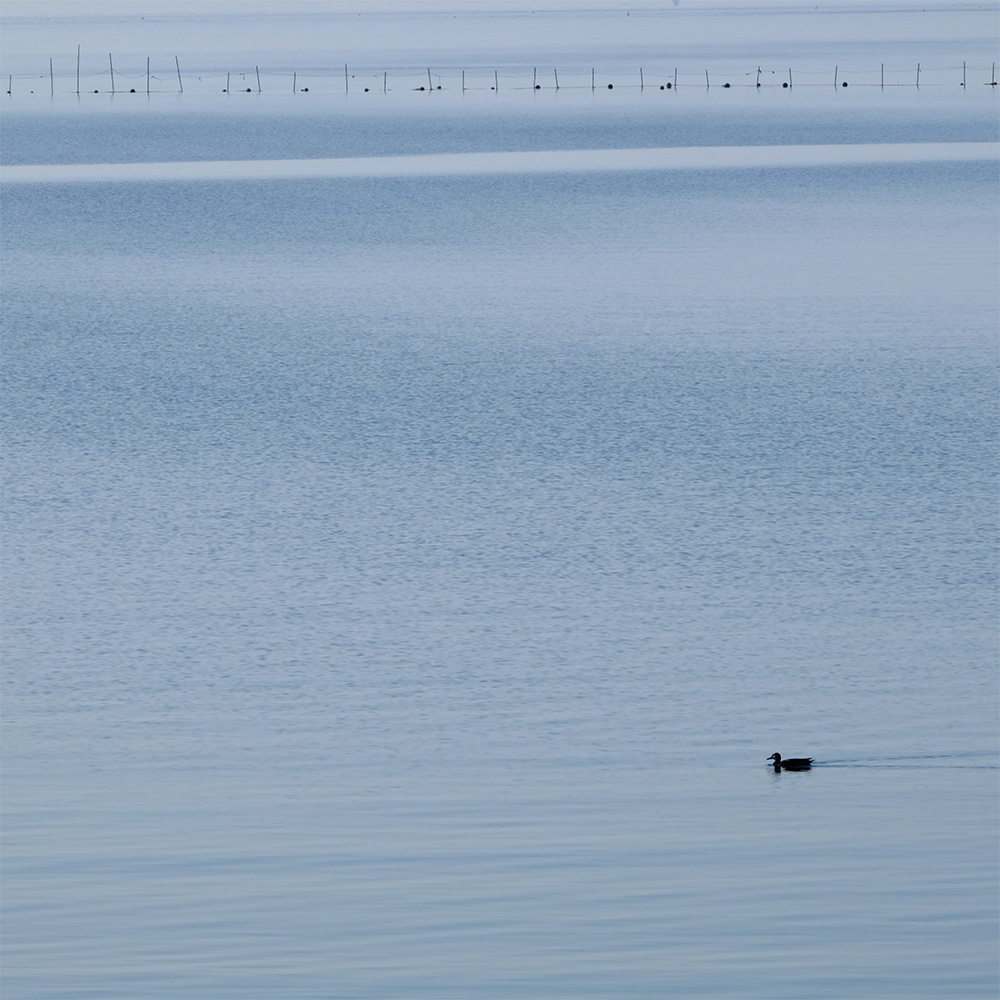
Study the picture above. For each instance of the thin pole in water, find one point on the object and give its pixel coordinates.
(835, 71)
(385, 80)
(789, 77)
(257, 68)
(707, 85)
(463, 81)
(78, 71)
(642, 83)
(147, 76)
(883, 76)
(675, 78)
(963, 72)
(534, 78)
(10, 82)
(430, 86)
(52, 80)
(112, 65)
(180, 82)
(593, 84)
(758, 76)
(496, 81)
(918, 74)
(347, 85)
(294, 80)
(555, 73)
(227, 83)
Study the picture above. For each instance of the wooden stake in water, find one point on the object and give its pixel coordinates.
(918, 74)
(347, 86)
(707, 85)
(835, 71)
(642, 85)
(555, 73)
(463, 81)
(534, 78)
(52, 80)
(789, 77)
(758, 76)
(385, 79)
(228, 91)
(675, 78)
(112, 65)
(883, 76)
(78, 71)
(180, 82)
(147, 76)
(430, 86)
(963, 72)
(257, 68)
(496, 81)
(593, 83)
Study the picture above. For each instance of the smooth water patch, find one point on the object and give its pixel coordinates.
(549, 161)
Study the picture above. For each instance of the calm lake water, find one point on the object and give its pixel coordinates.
(405, 579)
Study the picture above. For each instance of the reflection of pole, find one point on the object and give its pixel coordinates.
(180, 82)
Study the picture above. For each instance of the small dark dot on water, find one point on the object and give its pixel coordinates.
(725, 86)
(844, 84)
(538, 86)
(305, 90)
(224, 90)
(132, 91)
(661, 86)
(248, 90)
(611, 86)
(95, 91)
(439, 86)
(366, 90)
(421, 88)
(785, 85)
(669, 86)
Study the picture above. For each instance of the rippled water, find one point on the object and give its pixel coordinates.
(407, 578)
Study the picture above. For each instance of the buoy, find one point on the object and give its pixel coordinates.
(670, 86)
(844, 84)
(785, 85)
(611, 86)
(725, 86)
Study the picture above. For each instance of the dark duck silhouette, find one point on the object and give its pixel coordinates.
(792, 763)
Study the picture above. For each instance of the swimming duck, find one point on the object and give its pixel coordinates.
(792, 764)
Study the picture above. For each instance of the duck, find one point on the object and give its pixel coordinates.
(792, 763)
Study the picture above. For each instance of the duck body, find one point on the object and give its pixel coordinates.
(792, 763)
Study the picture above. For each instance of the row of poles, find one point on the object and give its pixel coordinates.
(669, 85)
